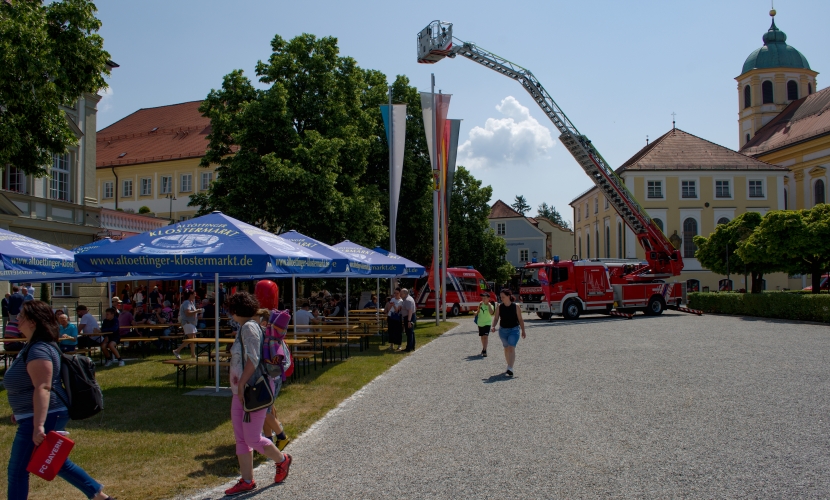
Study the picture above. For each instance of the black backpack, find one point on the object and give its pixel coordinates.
(78, 380)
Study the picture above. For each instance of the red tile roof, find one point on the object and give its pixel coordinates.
(501, 210)
(679, 150)
(802, 120)
(154, 134)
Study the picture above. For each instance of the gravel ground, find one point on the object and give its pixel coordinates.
(673, 406)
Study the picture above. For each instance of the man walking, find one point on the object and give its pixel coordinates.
(408, 313)
(15, 303)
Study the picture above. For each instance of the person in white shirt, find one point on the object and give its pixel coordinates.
(87, 323)
(305, 317)
(394, 323)
(408, 317)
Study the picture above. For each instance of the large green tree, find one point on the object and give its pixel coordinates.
(50, 55)
(550, 213)
(292, 156)
(718, 252)
(796, 239)
(472, 240)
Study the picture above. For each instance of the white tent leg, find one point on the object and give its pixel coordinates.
(294, 300)
(216, 319)
(347, 307)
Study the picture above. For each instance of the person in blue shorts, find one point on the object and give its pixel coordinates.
(509, 318)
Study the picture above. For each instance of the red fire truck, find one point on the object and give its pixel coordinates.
(464, 287)
(572, 287)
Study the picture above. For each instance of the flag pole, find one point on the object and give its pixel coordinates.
(216, 324)
(443, 222)
(436, 288)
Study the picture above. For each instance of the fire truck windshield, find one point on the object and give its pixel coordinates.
(557, 274)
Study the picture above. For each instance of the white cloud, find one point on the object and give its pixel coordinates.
(515, 138)
(105, 104)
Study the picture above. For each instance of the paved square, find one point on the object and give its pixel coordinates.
(672, 406)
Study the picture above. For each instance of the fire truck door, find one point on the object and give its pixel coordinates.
(594, 282)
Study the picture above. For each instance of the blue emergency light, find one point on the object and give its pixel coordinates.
(555, 259)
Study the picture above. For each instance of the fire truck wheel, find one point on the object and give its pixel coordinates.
(455, 311)
(655, 307)
(571, 310)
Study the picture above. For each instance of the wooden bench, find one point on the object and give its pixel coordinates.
(182, 365)
(309, 355)
(142, 340)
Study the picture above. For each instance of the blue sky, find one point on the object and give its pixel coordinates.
(617, 69)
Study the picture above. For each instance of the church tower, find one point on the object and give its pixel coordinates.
(773, 76)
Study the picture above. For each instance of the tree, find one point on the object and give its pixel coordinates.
(292, 156)
(520, 205)
(718, 252)
(472, 240)
(144, 209)
(550, 213)
(50, 55)
(796, 240)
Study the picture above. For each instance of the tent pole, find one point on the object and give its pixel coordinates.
(294, 299)
(347, 306)
(216, 319)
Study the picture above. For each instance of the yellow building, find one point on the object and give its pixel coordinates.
(151, 159)
(688, 186)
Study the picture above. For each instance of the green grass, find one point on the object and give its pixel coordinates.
(154, 442)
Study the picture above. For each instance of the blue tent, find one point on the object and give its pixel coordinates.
(347, 265)
(380, 265)
(21, 253)
(211, 244)
(412, 270)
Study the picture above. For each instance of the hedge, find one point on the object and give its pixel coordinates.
(781, 305)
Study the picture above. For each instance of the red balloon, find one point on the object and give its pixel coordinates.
(267, 293)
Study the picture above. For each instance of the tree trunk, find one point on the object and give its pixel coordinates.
(757, 282)
(816, 278)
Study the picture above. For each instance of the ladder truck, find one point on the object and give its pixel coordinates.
(591, 286)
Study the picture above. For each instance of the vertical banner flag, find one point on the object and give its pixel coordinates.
(442, 105)
(453, 131)
(396, 138)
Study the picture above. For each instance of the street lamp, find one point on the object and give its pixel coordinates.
(172, 198)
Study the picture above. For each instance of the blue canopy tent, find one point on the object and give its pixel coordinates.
(21, 253)
(412, 270)
(212, 244)
(380, 265)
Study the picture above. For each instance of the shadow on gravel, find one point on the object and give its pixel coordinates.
(251, 494)
(476, 357)
(501, 377)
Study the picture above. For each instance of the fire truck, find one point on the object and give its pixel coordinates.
(576, 286)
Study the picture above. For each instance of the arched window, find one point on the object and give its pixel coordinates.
(786, 200)
(766, 92)
(579, 248)
(619, 240)
(747, 138)
(607, 241)
(597, 235)
(747, 97)
(792, 90)
(659, 224)
(689, 233)
(692, 285)
(723, 220)
(809, 89)
(818, 192)
(588, 245)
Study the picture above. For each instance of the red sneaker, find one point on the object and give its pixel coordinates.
(282, 469)
(241, 487)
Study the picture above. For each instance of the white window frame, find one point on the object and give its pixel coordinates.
(526, 253)
(186, 183)
(596, 205)
(501, 228)
(60, 186)
(183, 218)
(730, 186)
(763, 189)
(206, 176)
(606, 202)
(695, 185)
(662, 185)
(813, 190)
(165, 184)
(146, 186)
(61, 289)
(16, 180)
(127, 188)
(107, 190)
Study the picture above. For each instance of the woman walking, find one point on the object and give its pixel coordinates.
(247, 426)
(484, 320)
(36, 398)
(394, 322)
(509, 318)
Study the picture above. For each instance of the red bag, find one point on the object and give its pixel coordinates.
(48, 458)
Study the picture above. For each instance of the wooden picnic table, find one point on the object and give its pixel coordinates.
(205, 344)
(182, 364)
